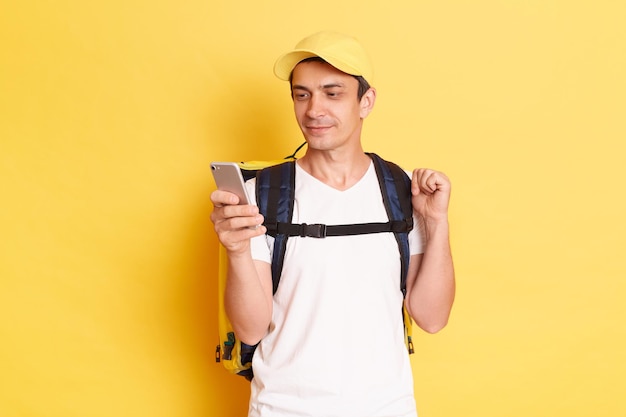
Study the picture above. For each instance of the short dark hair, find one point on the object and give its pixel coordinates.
(363, 84)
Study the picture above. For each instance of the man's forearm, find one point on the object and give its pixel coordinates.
(247, 298)
(432, 295)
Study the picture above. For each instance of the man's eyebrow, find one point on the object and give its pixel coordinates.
(324, 87)
(299, 87)
(334, 85)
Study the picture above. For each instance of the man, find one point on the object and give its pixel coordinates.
(331, 338)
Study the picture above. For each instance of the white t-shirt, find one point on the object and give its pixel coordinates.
(335, 346)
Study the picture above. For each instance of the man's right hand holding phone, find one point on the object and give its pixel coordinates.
(235, 224)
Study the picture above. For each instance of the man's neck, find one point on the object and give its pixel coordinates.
(337, 169)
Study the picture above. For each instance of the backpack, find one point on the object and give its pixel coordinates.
(275, 188)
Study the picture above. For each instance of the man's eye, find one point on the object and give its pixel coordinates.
(300, 96)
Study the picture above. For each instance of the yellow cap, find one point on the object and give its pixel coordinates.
(341, 51)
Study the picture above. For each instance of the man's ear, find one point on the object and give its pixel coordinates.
(367, 102)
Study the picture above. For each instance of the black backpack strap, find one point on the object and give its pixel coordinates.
(321, 230)
(275, 198)
(275, 195)
(396, 190)
(275, 188)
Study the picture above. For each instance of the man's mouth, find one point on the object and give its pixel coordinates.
(316, 128)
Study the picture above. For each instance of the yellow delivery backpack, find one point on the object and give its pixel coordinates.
(276, 179)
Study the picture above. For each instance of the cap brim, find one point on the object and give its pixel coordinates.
(286, 63)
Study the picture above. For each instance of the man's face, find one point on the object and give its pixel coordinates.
(326, 105)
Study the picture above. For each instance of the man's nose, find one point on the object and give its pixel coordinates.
(315, 107)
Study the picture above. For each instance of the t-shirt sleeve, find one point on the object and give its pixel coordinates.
(260, 246)
(416, 236)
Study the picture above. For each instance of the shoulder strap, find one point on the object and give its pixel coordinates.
(275, 188)
(396, 189)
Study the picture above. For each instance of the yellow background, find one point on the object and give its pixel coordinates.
(111, 111)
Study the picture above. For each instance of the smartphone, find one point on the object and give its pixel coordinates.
(228, 177)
